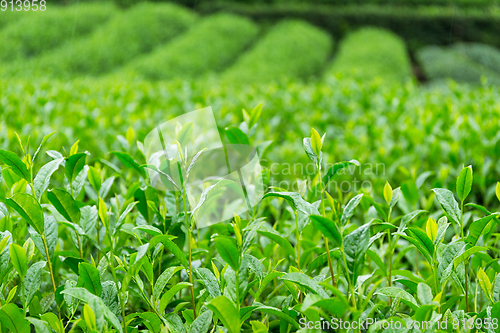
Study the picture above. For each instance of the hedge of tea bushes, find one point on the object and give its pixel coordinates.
(291, 49)
(371, 53)
(406, 127)
(464, 62)
(37, 32)
(9, 17)
(210, 45)
(132, 33)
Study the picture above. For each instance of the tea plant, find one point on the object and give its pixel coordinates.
(95, 248)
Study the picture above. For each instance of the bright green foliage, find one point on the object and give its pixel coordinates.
(430, 124)
(38, 32)
(138, 30)
(291, 49)
(464, 62)
(371, 53)
(99, 249)
(210, 46)
(9, 17)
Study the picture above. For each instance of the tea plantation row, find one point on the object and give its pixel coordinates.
(410, 129)
(164, 41)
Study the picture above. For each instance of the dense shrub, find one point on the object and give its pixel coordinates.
(461, 62)
(419, 26)
(371, 52)
(291, 49)
(95, 246)
(9, 17)
(430, 132)
(210, 45)
(37, 32)
(460, 3)
(136, 31)
(483, 54)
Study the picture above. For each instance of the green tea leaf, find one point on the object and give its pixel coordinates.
(202, 323)
(185, 134)
(209, 281)
(395, 292)
(418, 238)
(44, 140)
(84, 295)
(465, 254)
(424, 293)
(334, 170)
(422, 237)
(485, 283)
(228, 251)
(349, 209)
(315, 141)
(258, 327)
(448, 203)
(477, 228)
(236, 136)
(255, 115)
(310, 151)
(322, 259)
(33, 281)
(151, 321)
(88, 277)
(74, 164)
(305, 281)
(278, 313)
(171, 246)
(15, 163)
(355, 245)
(328, 228)
(276, 237)
(304, 209)
(163, 279)
(13, 319)
(431, 229)
(27, 206)
(193, 162)
(42, 179)
(18, 259)
(169, 294)
(40, 325)
(464, 183)
(387, 192)
(64, 204)
(226, 312)
(95, 179)
(129, 162)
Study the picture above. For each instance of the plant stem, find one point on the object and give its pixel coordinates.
(351, 287)
(120, 292)
(98, 228)
(465, 261)
(298, 239)
(323, 212)
(49, 262)
(23, 296)
(79, 244)
(330, 266)
(51, 271)
(237, 276)
(389, 277)
(190, 273)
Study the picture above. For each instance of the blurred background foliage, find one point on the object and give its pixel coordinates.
(408, 83)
